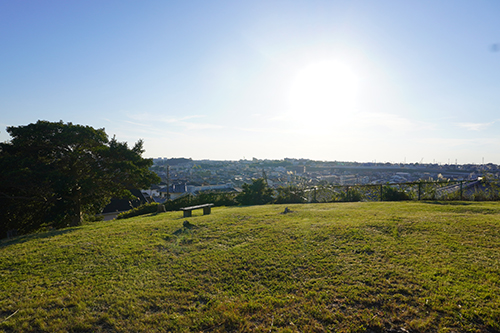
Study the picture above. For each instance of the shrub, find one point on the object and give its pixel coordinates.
(290, 194)
(390, 193)
(217, 198)
(141, 210)
(257, 193)
(92, 218)
(350, 195)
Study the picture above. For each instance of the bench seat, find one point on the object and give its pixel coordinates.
(207, 209)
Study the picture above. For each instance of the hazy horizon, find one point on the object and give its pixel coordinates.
(449, 162)
(324, 80)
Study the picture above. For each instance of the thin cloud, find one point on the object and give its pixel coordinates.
(391, 121)
(458, 142)
(474, 126)
(271, 130)
(136, 123)
(197, 126)
(147, 116)
(170, 120)
(182, 122)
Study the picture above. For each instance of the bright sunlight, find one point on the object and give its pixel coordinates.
(322, 92)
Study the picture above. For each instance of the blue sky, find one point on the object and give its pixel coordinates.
(390, 81)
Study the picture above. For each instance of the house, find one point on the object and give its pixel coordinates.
(174, 191)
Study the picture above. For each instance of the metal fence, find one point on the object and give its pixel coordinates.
(474, 190)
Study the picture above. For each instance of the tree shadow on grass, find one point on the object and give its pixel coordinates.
(26, 238)
(448, 203)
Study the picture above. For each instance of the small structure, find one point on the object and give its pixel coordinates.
(160, 209)
(207, 209)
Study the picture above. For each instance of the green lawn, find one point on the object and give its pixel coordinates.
(343, 267)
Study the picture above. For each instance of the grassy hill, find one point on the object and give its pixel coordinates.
(345, 267)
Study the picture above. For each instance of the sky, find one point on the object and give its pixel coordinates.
(386, 80)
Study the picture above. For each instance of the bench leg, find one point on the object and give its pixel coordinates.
(207, 210)
(187, 213)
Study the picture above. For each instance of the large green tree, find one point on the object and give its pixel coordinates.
(52, 173)
(257, 193)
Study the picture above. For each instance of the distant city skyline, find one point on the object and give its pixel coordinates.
(374, 162)
(364, 81)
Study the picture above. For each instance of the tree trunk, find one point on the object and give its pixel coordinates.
(76, 219)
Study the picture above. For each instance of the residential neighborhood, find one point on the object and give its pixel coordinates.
(181, 176)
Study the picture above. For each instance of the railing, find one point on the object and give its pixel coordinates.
(421, 190)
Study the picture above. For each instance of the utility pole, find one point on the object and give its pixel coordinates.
(168, 182)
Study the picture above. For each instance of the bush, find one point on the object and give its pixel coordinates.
(350, 195)
(92, 218)
(290, 194)
(141, 210)
(217, 198)
(390, 193)
(257, 193)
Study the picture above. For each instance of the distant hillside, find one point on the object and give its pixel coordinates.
(343, 267)
(173, 161)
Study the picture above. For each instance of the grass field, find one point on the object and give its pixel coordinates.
(343, 267)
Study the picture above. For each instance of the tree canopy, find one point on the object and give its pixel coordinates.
(52, 173)
(257, 193)
(290, 194)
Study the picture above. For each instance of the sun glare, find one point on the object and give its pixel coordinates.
(323, 91)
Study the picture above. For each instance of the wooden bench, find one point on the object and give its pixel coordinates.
(206, 209)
